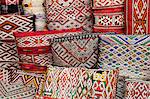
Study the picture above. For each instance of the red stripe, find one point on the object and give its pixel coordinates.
(109, 10)
(34, 50)
(33, 67)
(118, 31)
(128, 16)
(38, 33)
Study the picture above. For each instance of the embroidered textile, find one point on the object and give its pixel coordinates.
(36, 7)
(79, 83)
(137, 89)
(137, 15)
(13, 23)
(80, 50)
(62, 14)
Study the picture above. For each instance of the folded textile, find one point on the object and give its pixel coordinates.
(69, 14)
(137, 89)
(79, 50)
(36, 7)
(137, 16)
(77, 83)
(13, 23)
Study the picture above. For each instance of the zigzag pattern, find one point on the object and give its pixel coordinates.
(73, 51)
(13, 91)
(27, 80)
(8, 51)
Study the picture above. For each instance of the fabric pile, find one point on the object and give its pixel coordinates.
(74, 49)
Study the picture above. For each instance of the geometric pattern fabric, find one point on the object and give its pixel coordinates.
(13, 23)
(79, 83)
(109, 16)
(79, 50)
(137, 14)
(136, 89)
(15, 90)
(62, 14)
(129, 53)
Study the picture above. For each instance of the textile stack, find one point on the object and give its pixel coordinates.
(74, 49)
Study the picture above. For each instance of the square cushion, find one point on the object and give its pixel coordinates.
(109, 20)
(129, 53)
(137, 16)
(136, 88)
(76, 50)
(11, 7)
(16, 90)
(35, 47)
(78, 83)
(14, 23)
(62, 14)
(36, 7)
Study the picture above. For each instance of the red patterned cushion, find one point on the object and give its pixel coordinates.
(137, 16)
(34, 47)
(109, 20)
(67, 14)
(137, 89)
(75, 50)
(14, 23)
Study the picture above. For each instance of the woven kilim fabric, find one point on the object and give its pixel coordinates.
(28, 79)
(129, 53)
(14, 91)
(8, 51)
(36, 7)
(125, 39)
(9, 65)
(80, 50)
(80, 83)
(137, 15)
(13, 23)
(34, 47)
(107, 3)
(109, 21)
(67, 14)
(136, 89)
